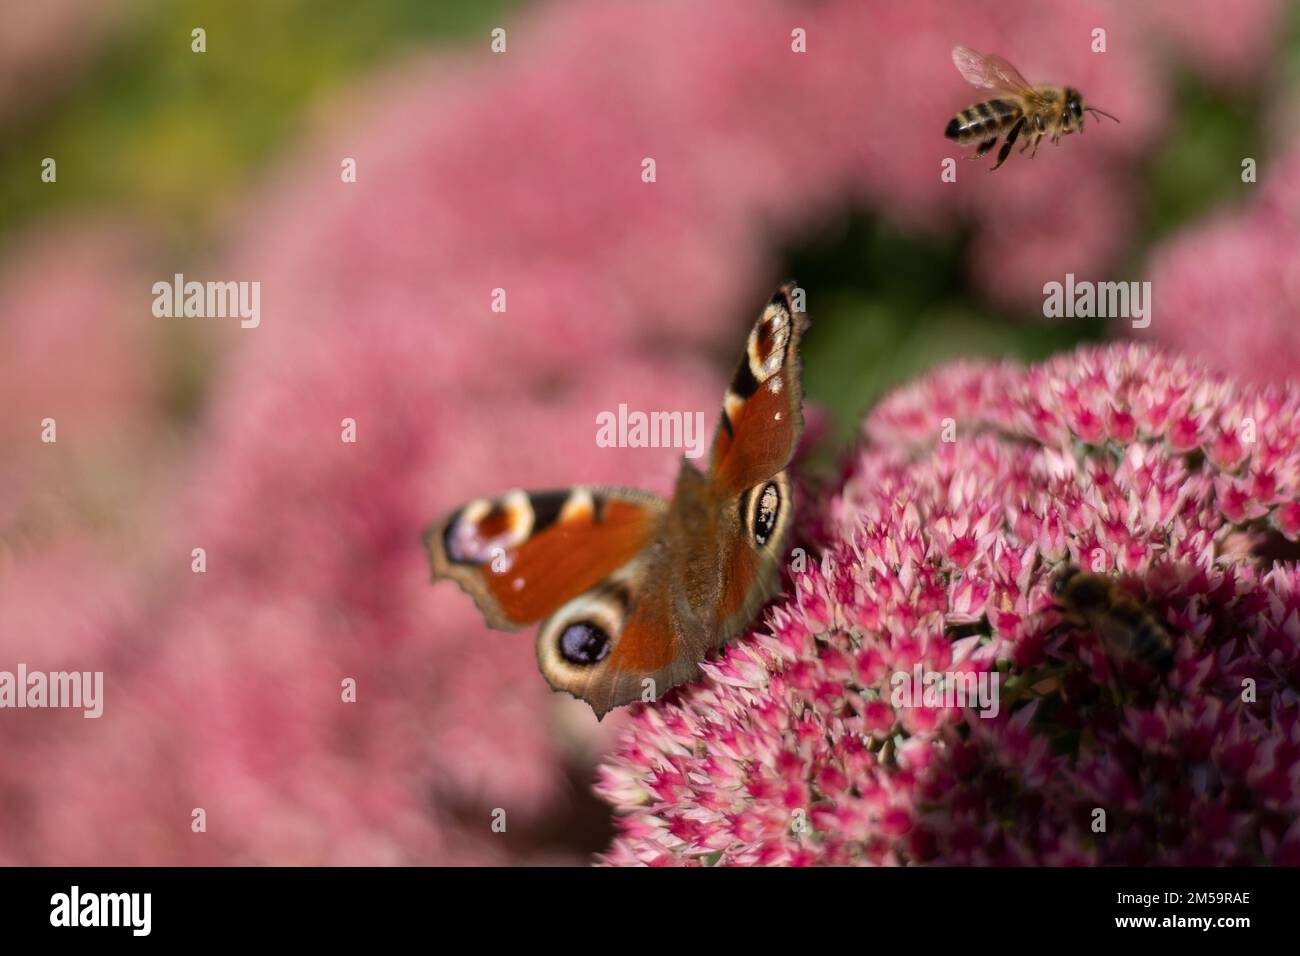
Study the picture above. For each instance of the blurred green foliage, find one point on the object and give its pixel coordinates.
(168, 133)
(1198, 167)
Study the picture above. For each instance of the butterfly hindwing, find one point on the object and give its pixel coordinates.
(621, 641)
(751, 569)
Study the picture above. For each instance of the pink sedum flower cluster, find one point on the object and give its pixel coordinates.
(1229, 287)
(941, 553)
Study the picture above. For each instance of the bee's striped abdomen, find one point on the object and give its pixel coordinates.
(982, 121)
(1145, 638)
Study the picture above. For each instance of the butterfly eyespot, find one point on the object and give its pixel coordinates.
(583, 643)
(483, 531)
(767, 511)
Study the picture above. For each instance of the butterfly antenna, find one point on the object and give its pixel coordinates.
(1093, 109)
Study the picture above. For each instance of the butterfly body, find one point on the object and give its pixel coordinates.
(632, 590)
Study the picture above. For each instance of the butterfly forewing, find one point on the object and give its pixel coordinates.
(761, 411)
(523, 555)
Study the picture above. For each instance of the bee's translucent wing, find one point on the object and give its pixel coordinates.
(1008, 77)
(989, 72)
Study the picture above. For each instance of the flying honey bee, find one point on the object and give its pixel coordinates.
(1127, 629)
(1035, 111)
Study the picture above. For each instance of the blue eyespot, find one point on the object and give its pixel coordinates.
(584, 644)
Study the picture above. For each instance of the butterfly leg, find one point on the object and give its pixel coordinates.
(1005, 151)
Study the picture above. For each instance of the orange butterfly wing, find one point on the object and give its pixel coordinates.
(762, 410)
(523, 555)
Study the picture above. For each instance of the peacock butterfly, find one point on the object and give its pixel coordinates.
(634, 590)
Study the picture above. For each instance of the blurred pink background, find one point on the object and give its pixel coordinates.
(479, 171)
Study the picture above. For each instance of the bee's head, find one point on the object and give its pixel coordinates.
(1062, 580)
(1073, 107)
